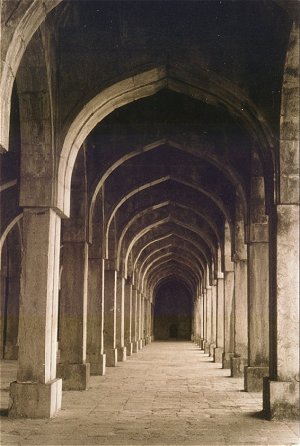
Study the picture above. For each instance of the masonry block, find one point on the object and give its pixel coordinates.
(281, 399)
(34, 400)
(253, 378)
(98, 368)
(121, 354)
(74, 376)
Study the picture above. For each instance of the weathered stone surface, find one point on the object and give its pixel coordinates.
(281, 399)
(35, 400)
(74, 376)
(253, 378)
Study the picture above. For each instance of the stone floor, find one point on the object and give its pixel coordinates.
(167, 394)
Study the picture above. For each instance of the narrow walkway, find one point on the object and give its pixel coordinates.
(167, 394)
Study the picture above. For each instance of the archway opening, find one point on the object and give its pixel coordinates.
(173, 312)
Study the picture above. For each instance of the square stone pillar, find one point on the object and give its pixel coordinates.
(73, 368)
(143, 334)
(240, 359)
(228, 319)
(110, 303)
(220, 320)
(120, 319)
(134, 327)
(128, 317)
(204, 319)
(208, 319)
(12, 317)
(37, 392)
(281, 389)
(95, 317)
(139, 319)
(213, 319)
(258, 316)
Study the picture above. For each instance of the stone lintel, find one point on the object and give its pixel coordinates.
(121, 354)
(98, 368)
(74, 376)
(111, 357)
(281, 399)
(34, 400)
(253, 378)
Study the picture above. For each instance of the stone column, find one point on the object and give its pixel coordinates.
(95, 317)
(204, 319)
(240, 359)
(37, 391)
(228, 318)
(73, 368)
(110, 296)
(220, 319)
(212, 345)
(128, 317)
(281, 389)
(134, 333)
(258, 283)
(120, 319)
(12, 317)
(208, 319)
(139, 319)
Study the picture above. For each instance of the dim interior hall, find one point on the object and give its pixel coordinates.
(149, 192)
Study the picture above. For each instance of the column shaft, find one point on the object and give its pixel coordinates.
(228, 318)
(120, 319)
(128, 317)
(110, 296)
(95, 317)
(37, 392)
(73, 368)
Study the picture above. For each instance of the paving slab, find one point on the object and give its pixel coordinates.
(170, 393)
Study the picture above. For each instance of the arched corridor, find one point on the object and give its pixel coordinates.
(149, 192)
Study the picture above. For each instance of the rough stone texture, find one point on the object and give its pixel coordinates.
(253, 378)
(281, 399)
(35, 400)
(226, 360)
(170, 394)
(122, 354)
(74, 376)
(218, 354)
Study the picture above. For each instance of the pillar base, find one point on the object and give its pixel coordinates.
(121, 354)
(11, 352)
(253, 378)
(74, 376)
(135, 346)
(281, 399)
(129, 348)
(206, 347)
(226, 360)
(218, 353)
(140, 344)
(201, 343)
(98, 368)
(149, 340)
(111, 357)
(211, 349)
(34, 400)
(237, 365)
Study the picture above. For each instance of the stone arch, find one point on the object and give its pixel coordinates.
(25, 29)
(145, 84)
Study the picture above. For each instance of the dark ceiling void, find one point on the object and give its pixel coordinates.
(172, 312)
